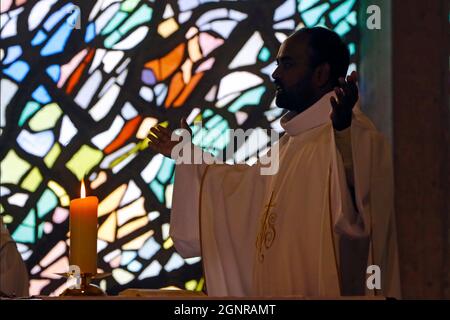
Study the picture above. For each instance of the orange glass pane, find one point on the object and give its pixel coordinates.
(172, 61)
(188, 90)
(165, 66)
(79, 71)
(128, 130)
(176, 85)
(156, 68)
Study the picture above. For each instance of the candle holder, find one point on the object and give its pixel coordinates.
(86, 288)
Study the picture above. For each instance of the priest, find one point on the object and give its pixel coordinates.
(13, 272)
(314, 227)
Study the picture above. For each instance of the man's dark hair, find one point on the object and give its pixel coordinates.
(327, 47)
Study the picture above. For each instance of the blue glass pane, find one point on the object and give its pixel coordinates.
(57, 16)
(38, 38)
(54, 72)
(14, 52)
(18, 70)
(41, 95)
(58, 41)
(90, 32)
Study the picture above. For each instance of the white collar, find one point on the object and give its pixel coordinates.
(314, 116)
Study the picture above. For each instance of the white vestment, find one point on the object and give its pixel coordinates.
(13, 272)
(295, 233)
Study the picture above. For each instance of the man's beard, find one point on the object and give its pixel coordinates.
(297, 98)
(286, 100)
(294, 100)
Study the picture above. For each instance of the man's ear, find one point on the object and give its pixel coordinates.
(321, 75)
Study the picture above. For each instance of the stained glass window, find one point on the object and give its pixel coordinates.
(80, 90)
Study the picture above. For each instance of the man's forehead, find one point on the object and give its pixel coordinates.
(293, 47)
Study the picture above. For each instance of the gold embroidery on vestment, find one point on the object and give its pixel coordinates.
(267, 232)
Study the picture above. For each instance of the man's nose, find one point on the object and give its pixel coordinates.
(276, 74)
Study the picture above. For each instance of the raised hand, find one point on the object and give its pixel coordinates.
(160, 138)
(347, 96)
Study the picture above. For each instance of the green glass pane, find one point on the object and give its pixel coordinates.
(213, 121)
(51, 157)
(46, 117)
(341, 11)
(199, 136)
(114, 22)
(195, 130)
(129, 5)
(342, 28)
(352, 48)
(40, 230)
(112, 39)
(46, 203)
(207, 113)
(142, 15)
(30, 108)
(33, 180)
(252, 97)
(84, 160)
(306, 4)
(352, 19)
(23, 234)
(165, 172)
(311, 17)
(30, 220)
(217, 131)
(158, 190)
(264, 54)
(12, 168)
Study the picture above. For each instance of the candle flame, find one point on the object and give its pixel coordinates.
(83, 189)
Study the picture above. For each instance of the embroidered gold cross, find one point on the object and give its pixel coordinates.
(267, 231)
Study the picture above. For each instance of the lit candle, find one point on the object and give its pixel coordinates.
(83, 232)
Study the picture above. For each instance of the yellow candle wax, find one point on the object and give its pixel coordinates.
(83, 232)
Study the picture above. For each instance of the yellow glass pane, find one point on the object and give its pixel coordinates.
(138, 242)
(84, 160)
(46, 117)
(33, 180)
(186, 68)
(143, 144)
(112, 201)
(12, 168)
(56, 188)
(7, 219)
(60, 192)
(65, 201)
(200, 284)
(107, 230)
(132, 226)
(101, 178)
(168, 244)
(191, 285)
(167, 27)
(51, 157)
(144, 129)
(194, 49)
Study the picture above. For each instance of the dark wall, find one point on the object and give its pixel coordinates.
(412, 108)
